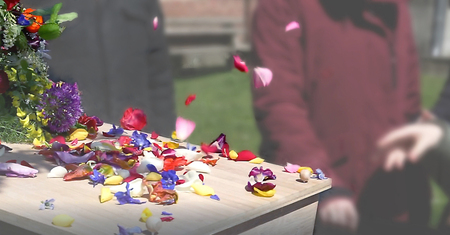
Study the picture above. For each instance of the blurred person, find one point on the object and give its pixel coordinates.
(346, 77)
(118, 60)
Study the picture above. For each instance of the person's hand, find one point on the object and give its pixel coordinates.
(340, 212)
(408, 143)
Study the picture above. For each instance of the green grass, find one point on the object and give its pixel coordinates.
(222, 105)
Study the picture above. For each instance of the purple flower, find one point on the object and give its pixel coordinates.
(124, 197)
(258, 178)
(115, 131)
(97, 178)
(47, 204)
(22, 20)
(140, 140)
(129, 231)
(61, 104)
(320, 174)
(169, 178)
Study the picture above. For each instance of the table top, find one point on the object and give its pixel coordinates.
(193, 214)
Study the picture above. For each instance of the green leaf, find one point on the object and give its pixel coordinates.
(24, 64)
(42, 12)
(55, 11)
(66, 17)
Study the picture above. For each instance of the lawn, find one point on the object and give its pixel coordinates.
(223, 105)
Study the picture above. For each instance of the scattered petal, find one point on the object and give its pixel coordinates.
(202, 190)
(63, 220)
(80, 134)
(245, 155)
(154, 135)
(47, 204)
(291, 168)
(292, 25)
(145, 214)
(257, 160)
(305, 168)
(233, 155)
(106, 195)
(166, 213)
(57, 172)
(113, 180)
(133, 119)
(189, 99)
(260, 193)
(215, 197)
(184, 128)
(239, 64)
(262, 77)
(167, 219)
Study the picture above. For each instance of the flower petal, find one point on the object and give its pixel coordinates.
(202, 190)
(239, 64)
(155, 23)
(291, 168)
(184, 128)
(189, 99)
(262, 77)
(260, 193)
(292, 25)
(245, 155)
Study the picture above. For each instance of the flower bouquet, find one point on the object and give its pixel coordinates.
(32, 107)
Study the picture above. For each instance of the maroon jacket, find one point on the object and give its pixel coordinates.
(341, 81)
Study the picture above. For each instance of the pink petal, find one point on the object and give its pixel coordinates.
(292, 25)
(155, 23)
(291, 168)
(239, 64)
(262, 77)
(184, 128)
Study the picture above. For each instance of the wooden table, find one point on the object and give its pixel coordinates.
(291, 211)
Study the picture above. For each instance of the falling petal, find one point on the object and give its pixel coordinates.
(291, 168)
(184, 128)
(262, 77)
(292, 25)
(239, 64)
(189, 99)
(155, 23)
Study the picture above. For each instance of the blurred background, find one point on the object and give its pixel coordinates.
(203, 34)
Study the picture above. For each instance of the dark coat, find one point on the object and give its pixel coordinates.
(341, 81)
(117, 59)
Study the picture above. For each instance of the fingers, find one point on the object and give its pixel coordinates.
(429, 137)
(341, 213)
(398, 135)
(395, 160)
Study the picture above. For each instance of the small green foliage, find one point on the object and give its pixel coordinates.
(11, 131)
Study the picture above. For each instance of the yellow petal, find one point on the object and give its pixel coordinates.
(305, 168)
(260, 193)
(63, 220)
(106, 195)
(148, 149)
(153, 176)
(37, 143)
(171, 145)
(203, 190)
(26, 121)
(20, 113)
(145, 214)
(233, 154)
(257, 160)
(114, 180)
(80, 134)
(174, 135)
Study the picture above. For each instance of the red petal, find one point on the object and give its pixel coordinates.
(180, 182)
(123, 140)
(208, 149)
(74, 142)
(202, 178)
(189, 99)
(58, 138)
(25, 163)
(239, 64)
(105, 134)
(11, 161)
(245, 155)
(154, 136)
(133, 119)
(167, 219)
